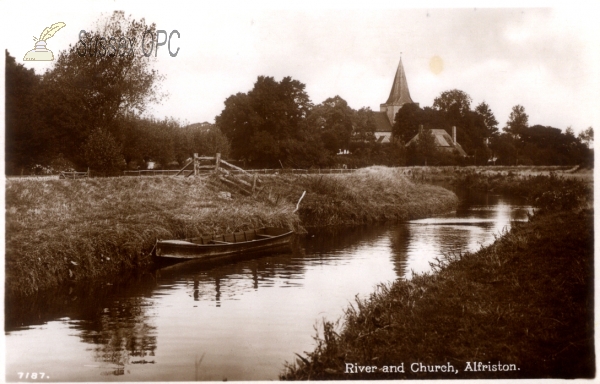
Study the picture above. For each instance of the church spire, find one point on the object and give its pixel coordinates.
(399, 94)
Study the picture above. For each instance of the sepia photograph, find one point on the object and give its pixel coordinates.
(321, 191)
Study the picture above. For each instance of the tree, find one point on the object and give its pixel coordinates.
(269, 124)
(504, 149)
(102, 153)
(208, 140)
(364, 125)
(101, 79)
(455, 103)
(24, 141)
(518, 121)
(407, 121)
(335, 118)
(587, 136)
(489, 119)
(423, 150)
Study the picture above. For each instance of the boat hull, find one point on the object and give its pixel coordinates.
(211, 247)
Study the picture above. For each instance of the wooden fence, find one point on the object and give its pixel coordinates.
(226, 172)
(311, 171)
(204, 164)
(154, 172)
(74, 175)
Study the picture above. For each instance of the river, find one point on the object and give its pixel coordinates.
(239, 321)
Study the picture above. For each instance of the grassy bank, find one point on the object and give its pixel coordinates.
(552, 192)
(366, 196)
(63, 231)
(447, 173)
(526, 301)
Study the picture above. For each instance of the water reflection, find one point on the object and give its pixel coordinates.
(236, 321)
(122, 334)
(475, 224)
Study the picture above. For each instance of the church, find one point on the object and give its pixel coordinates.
(399, 95)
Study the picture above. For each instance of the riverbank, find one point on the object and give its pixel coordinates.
(73, 231)
(520, 308)
(429, 174)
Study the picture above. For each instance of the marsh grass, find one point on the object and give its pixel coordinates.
(548, 192)
(527, 300)
(448, 173)
(366, 196)
(72, 230)
(61, 231)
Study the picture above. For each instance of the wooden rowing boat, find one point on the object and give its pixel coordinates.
(213, 246)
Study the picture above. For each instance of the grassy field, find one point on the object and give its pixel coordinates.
(63, 231)
(428, 174)
(526, 303)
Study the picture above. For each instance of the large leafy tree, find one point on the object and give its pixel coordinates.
(407, 121)
(455, 103)
(101, 79)
(24, 138)
(364, 125)
(268, 126)
(335, 119)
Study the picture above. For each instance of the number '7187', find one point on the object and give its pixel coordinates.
(31, 375)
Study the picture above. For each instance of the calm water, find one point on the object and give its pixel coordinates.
(239, 321)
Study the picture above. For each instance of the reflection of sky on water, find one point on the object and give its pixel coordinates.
(245, 317)
(463, 231)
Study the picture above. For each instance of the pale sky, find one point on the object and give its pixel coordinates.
(546, 59)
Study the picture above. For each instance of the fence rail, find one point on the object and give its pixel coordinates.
(318, 171)
(155, 172)
(200, 170)
(74, 175)
(210, 169)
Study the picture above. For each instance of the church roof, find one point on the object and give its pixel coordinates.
(382, 123)
(399, 94)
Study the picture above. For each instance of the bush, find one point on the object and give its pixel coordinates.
(102, 153)
(61, 164)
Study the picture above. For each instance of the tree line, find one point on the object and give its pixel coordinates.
(90, 112)
(275, 124)
(477, 132)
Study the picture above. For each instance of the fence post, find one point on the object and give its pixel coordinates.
(217, 162)
(195, 164)
(254, 177)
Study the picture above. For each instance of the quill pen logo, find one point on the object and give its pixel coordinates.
(40, 52)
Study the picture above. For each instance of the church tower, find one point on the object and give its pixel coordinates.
(399, 94)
